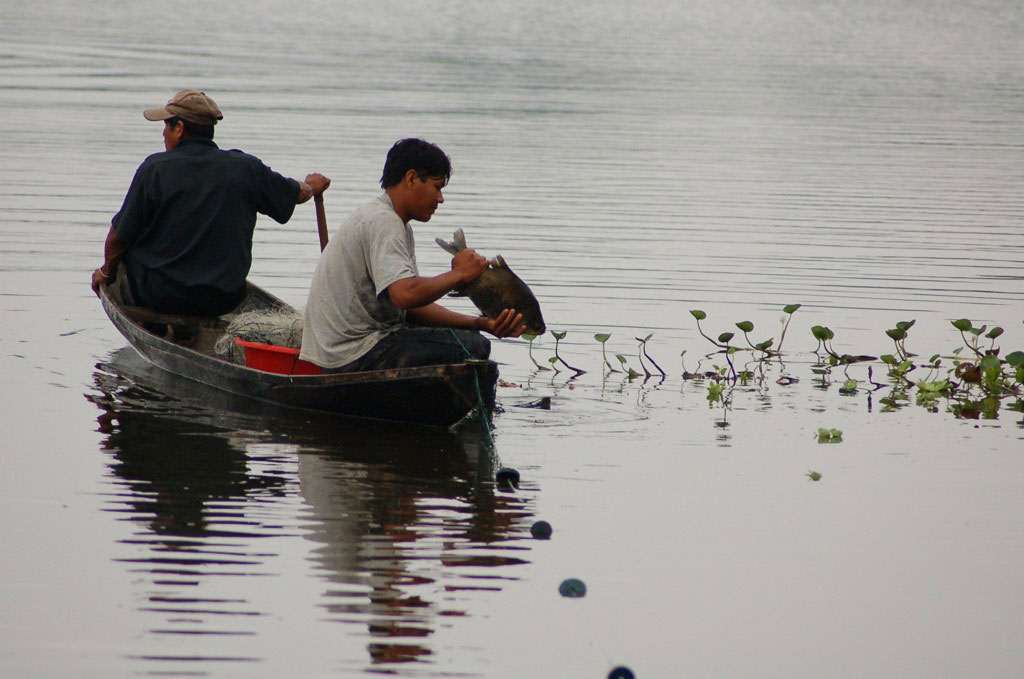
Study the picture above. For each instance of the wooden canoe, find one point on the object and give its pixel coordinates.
(438, 395)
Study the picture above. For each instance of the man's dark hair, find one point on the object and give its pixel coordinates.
(427, 159)
(192, 129)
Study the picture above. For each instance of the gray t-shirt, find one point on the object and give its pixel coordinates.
(347, 312)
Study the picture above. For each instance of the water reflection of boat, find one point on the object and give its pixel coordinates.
(405, 523)
(431, 395)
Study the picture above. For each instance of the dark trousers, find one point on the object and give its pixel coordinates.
(416, 346)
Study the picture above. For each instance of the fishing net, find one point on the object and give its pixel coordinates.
(280, 326)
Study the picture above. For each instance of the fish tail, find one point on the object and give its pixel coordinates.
(457, 245)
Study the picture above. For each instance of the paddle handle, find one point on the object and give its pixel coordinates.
(321, 219)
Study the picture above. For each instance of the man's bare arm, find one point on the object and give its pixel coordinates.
(507, 324)
(418, 291)
(113, 249)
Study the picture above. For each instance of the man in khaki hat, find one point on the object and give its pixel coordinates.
(183, 235)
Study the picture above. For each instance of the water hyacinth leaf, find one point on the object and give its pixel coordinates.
(962, 324)
(725, 337)
(602, 337)
(622, 359)
(528, 336)
(896, 334)
(934, 358)
(813, 475)
(991, 363)
(763, 346)
(977, 331)
(745, 326)
(698, 314)
(552, 360)
(633, 374)
(1015, 358)
(906, 325)
(790, 308)
(559, 335)
(819, 332)
(649, 336)
(994, 332)
(888, 359)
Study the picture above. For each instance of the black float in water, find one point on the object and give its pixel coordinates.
(621, 672)
(541, 530)
(507, 478)
(572, 588)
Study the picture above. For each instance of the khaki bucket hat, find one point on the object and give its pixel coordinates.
(191, 105)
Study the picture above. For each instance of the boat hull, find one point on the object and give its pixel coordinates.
(439, 395)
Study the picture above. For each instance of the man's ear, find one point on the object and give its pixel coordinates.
(409, 177)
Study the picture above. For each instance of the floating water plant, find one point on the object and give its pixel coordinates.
(789, 310)
(715, 393)
(529, 337)
(929, 391)
(559, 336)
(630, 373)
(813, 475)
(641, 354)
(826, 435)
(824, 335)
(849, 387)
(899, 337)
(747, 327)
(603, 337)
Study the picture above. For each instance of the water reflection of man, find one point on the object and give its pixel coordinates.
(375, 503)
(184, 230)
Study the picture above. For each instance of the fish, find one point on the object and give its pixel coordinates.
(498, 288)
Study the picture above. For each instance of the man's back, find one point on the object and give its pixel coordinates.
(189, 217)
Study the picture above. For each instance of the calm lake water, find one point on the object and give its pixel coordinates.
(632, 162)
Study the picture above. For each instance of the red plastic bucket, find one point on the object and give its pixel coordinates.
(273, 358)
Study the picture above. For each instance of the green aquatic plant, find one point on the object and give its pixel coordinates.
(826, 435)
(559, 336)
(849, 387)
(973, 342)
(813, 475)
(723, 339)
(553, 360)
(763, 347)
(641, 354)
(715, 392)
(824, 335)
(930, 391)
(529, 337)
(899, 337)
(626, 368)
(603, 337)
(789, 310)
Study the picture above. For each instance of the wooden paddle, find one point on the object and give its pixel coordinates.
(321, 219)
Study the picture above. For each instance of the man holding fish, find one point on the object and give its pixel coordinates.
(370, 309)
